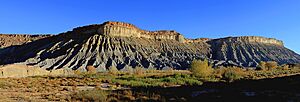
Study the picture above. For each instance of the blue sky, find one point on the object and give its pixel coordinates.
(193, 18)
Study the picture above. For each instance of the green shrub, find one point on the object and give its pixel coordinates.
(193, 82)
(132, 83)
(181, 80)
(169, 79)
(91, 96)
(201, 68)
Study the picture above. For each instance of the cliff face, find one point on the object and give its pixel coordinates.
(18, 39)
(250, 50)
(121, 29)
(122, 44)
(250, 40)
(103, 52)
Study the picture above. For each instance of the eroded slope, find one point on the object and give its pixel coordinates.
(104, 51)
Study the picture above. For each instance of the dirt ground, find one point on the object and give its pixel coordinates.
(43, 89)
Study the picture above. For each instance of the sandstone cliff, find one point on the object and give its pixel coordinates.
(121, 44)
(121, 29)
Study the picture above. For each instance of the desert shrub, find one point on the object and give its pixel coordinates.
(297, 65)
(193, 82)
(201, 68)
(229, 73)
(262, 65)
(139, 71)
(113, 70)
(91, 96)
(151, 70)
(169, 70)
(219, 72)
(128, 69)
(77, 72)
(132, 81)
(271, 65)
(170, 80)
(157, 81)
(5, 84)
(178, 75)
(178, 79)
(91, 69)
(184, 79)
(233, 73)
(284, 67)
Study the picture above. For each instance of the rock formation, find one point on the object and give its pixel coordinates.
(18, 39)
(250, 50)
(121, 44)
(121, 29)
(250, 40)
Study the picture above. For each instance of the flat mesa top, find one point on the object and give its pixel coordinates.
(111, 23)
(123, 29)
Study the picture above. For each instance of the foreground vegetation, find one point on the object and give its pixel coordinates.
(115, 84)
(200, 73)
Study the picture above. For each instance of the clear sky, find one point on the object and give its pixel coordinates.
(193, 18)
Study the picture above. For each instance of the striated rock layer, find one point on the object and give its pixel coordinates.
(18, 39)
(122, 44)
(103, 52)
(250, 50)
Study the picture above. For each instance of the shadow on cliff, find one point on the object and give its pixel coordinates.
(21, 53)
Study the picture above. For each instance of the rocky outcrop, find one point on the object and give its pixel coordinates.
(250, 50)
(121, 29)
(18, 39)
(250, 40)
(122, 44)
(196, 40)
